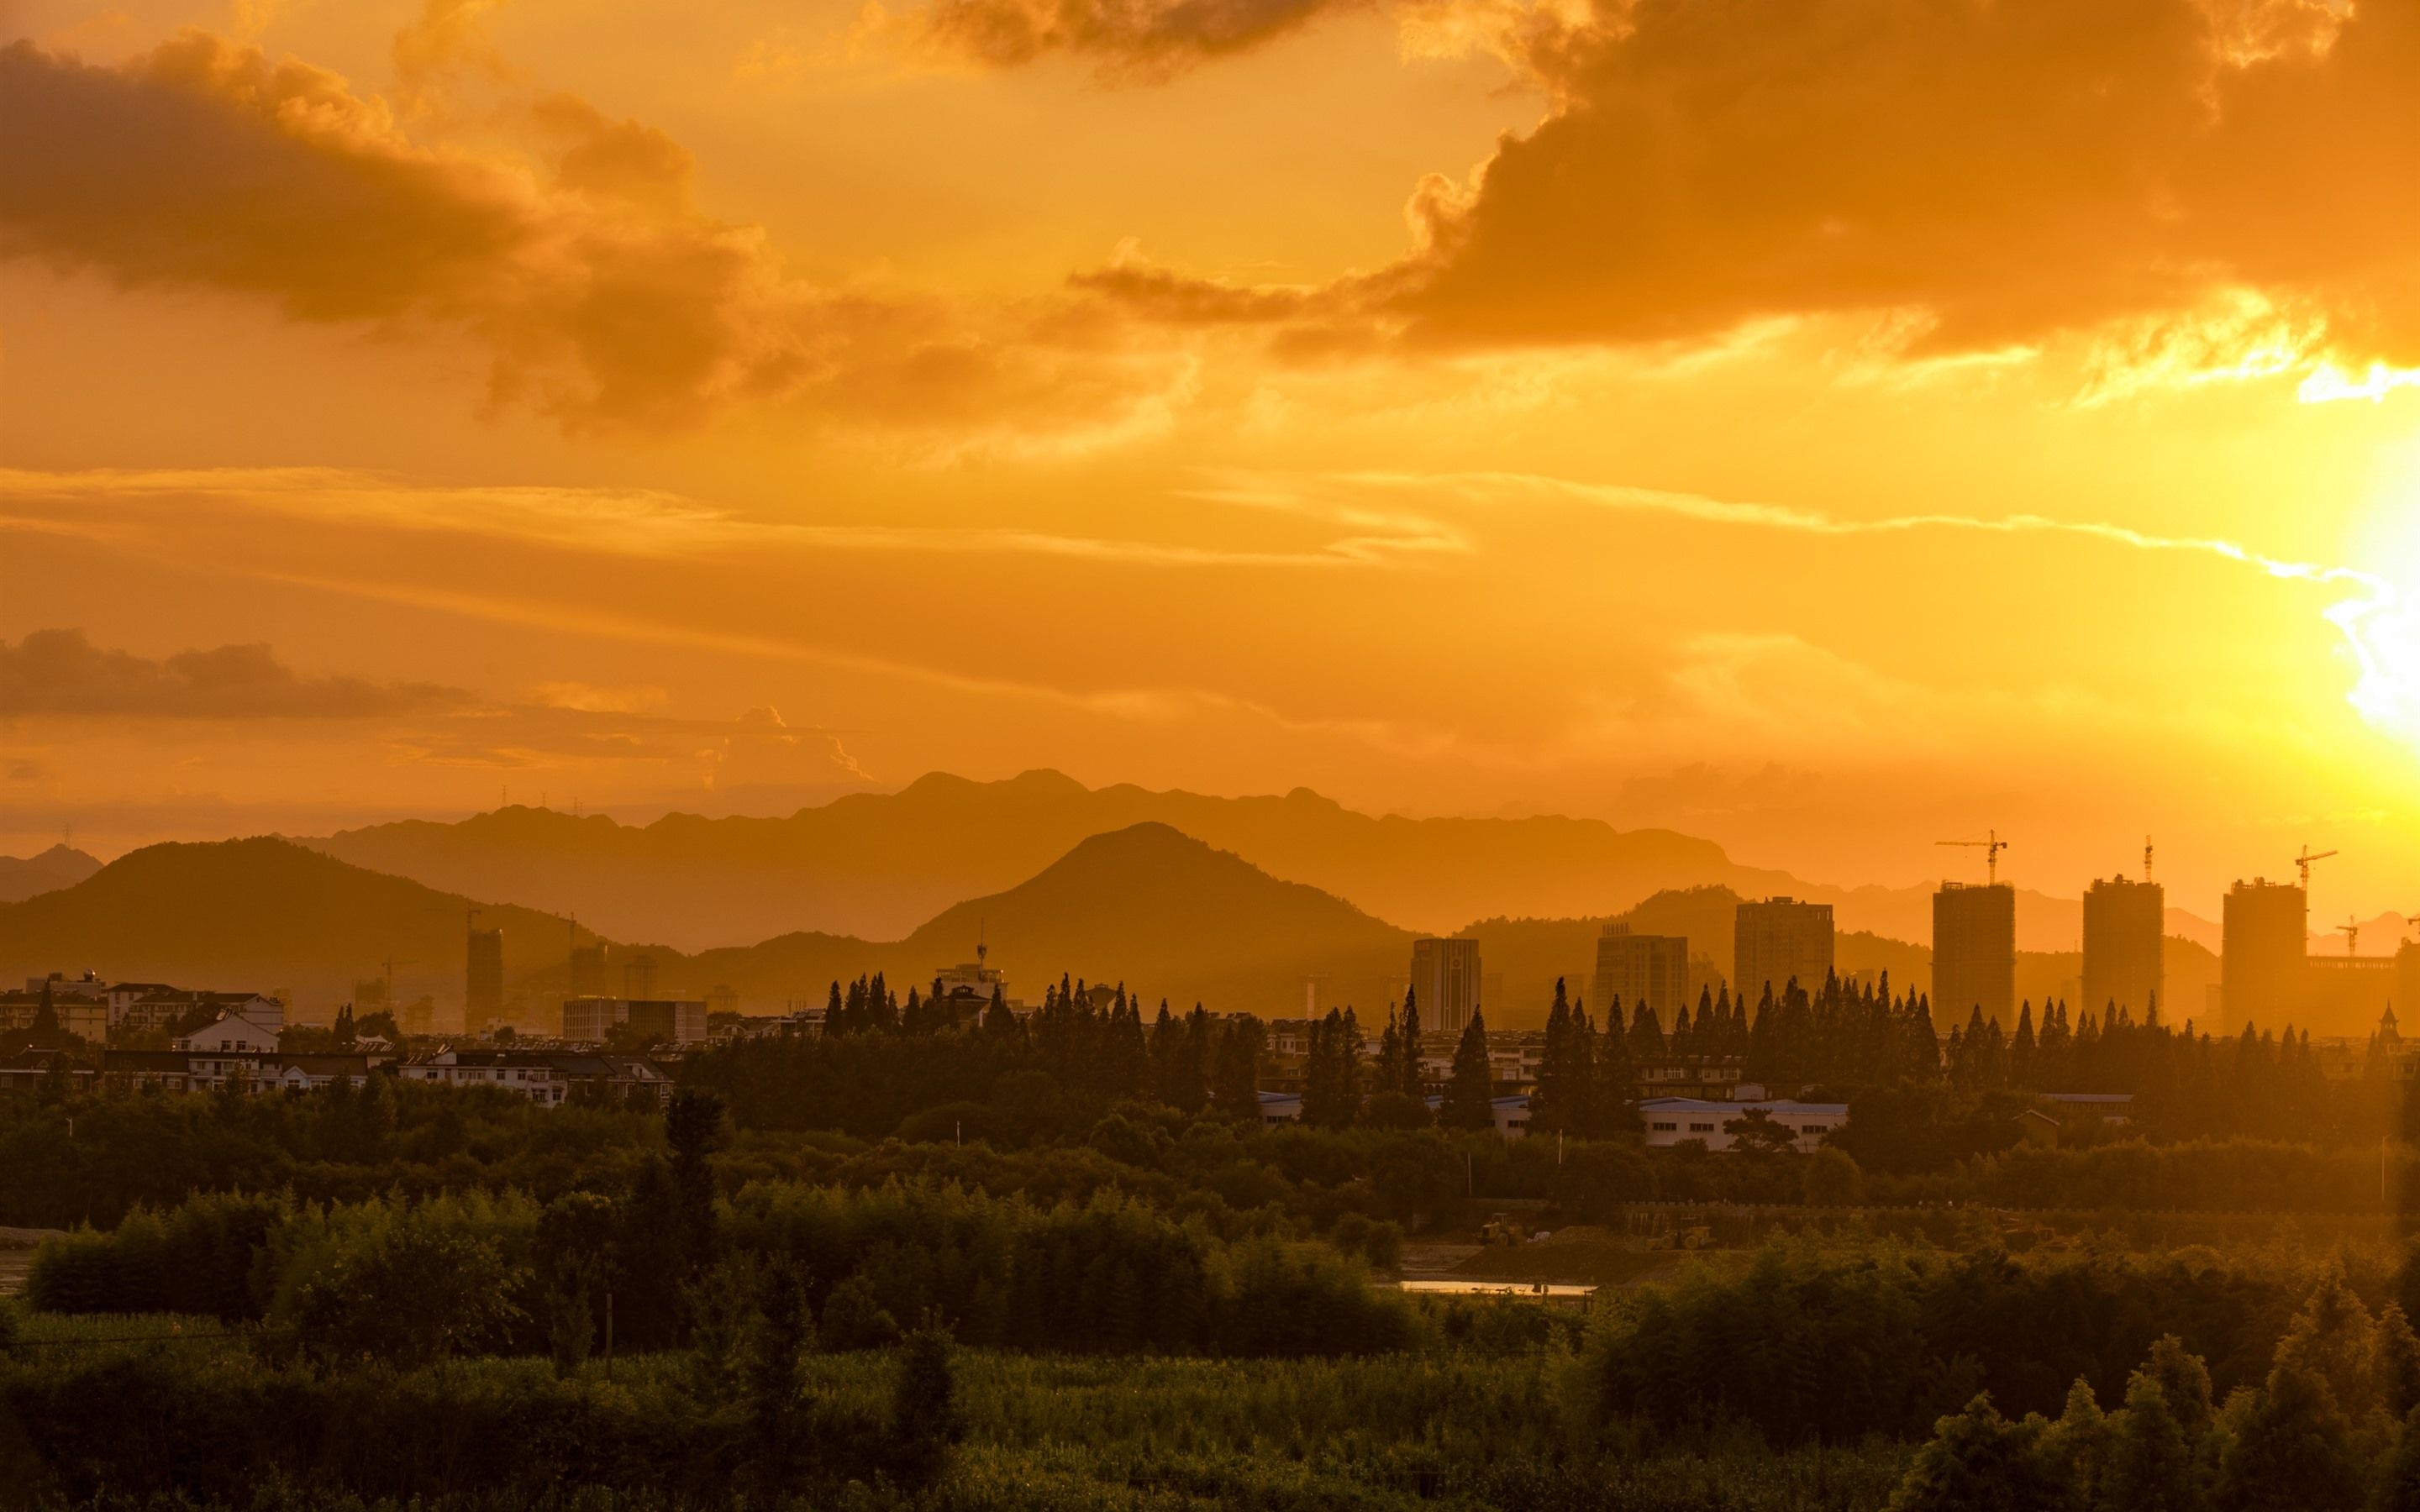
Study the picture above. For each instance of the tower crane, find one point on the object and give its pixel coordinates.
(2146, 857)
(2302, 864)
(2350, 930)
(389, 966)
(1992, 848)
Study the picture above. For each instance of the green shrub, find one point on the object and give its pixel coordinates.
(406, 1284)
(854, 1320)
(197, 1257)
(1278, 1299)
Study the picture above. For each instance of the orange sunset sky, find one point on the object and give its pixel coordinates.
(1822, 425)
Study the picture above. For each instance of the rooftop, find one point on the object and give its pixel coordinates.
(1782, 1104)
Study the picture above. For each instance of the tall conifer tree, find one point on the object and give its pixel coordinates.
(1470, 1092)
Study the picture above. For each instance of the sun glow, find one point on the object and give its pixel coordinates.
(2329, 384)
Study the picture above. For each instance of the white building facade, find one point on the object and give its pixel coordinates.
(1673, 1120)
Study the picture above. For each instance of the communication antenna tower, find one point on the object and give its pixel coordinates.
(1990, 848)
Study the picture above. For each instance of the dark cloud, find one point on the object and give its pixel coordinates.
(204, 164)
(1999, 173)
(602, 295)
(61, 672)
(1149, 38)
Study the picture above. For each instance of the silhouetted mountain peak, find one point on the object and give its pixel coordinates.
(1147, 841)
(61, 866)
(258, 913)
(876, 865)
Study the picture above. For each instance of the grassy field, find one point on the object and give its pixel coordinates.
(1595, 1256)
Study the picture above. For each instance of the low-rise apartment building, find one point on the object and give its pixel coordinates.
(255, 1070)
(1673, 1120)
(547, 1077)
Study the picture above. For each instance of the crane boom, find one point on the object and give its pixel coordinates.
(1991, 847)
(390, 966)
(2302, 864)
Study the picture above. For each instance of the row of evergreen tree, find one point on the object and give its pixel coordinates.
(1090, 1040)
(1842, 1037)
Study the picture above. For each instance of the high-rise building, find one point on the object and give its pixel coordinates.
(2342, 994)
(2125, 945)
(1974, 953)
(1649, 969)
(483, 996)
(2265, 954)
(1778, 941)
(1445, 974)
(638, 975)
(588, 971)
(678, 1021)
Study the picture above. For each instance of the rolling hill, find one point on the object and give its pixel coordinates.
(258, 914)
(1144, 904)
(1171, 915)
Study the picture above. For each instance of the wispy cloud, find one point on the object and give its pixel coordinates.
(652, 524)
(2377, 619)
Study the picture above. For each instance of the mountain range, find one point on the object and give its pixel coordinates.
(878, 865)
(1165, 912)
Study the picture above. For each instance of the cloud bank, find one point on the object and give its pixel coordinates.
(1989, 175)
(61, 672)
(1124, 38)
(602, 295)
